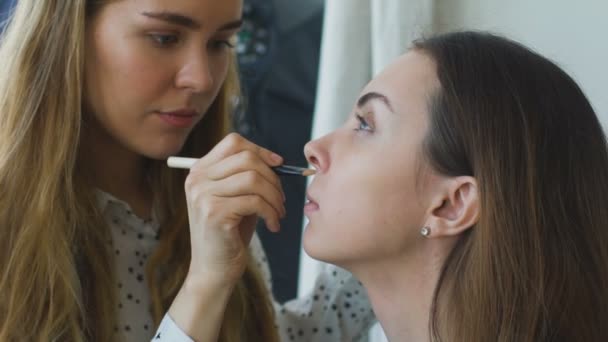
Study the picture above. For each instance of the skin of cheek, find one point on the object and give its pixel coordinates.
(374, 219)
(372, 206)
(122, 85)
(149, 86)
(127, 85)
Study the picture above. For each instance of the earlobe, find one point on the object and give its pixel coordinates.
(456, 208)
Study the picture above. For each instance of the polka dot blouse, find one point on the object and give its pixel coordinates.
(337, 309)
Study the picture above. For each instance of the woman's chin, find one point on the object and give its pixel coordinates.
(163, 152)
(159, 156)
(319, 247)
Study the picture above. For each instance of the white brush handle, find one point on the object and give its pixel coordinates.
(181, 162)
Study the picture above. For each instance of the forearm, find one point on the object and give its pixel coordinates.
(198, 309)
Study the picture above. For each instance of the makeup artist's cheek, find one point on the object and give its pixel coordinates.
(141, 67)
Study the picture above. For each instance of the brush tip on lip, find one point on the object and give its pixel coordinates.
(308, 172)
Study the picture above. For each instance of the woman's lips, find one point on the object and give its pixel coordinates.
(311, 206)
(180, 119)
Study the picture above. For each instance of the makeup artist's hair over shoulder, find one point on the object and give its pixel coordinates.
(535, 266)
(57, 278)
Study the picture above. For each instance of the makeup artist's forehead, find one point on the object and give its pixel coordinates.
(197, 9)
(407, 82)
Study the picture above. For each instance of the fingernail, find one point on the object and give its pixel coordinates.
(276, 158)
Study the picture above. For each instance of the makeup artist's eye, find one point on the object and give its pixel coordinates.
(221, 44)
(164, 40)
(363, 124)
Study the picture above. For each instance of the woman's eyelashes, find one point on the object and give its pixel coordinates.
(168, 40)
(221, 44)
(364, 124)
(164, 40)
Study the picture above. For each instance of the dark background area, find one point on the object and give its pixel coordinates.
(5, 6)
(279, 83)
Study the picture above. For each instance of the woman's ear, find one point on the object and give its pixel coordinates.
(455, 208)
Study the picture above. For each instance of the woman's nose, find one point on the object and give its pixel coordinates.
(195, 74)
(317, 155)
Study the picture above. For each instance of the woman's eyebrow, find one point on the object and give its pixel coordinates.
(363, 100)
(188, 22)
(233, 25)
(174, 18)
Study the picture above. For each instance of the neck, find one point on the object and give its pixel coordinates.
(116, 170)
(401, 291)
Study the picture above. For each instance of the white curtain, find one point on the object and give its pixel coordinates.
(360, 37)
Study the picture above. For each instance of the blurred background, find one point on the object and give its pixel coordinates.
(303, 64)
(279, 51)
(5, 6)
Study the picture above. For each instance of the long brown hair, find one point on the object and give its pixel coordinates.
(535, 266)
(57, 278)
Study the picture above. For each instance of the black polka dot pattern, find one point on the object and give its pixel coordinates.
(133, 239)
(336, 310)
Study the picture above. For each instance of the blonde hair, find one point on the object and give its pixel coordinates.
(57, 275)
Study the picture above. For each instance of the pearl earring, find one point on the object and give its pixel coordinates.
(425, 231)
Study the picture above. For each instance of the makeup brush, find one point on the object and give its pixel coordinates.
(284, 170)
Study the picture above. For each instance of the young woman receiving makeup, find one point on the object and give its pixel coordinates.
(467, 192)
(101, 241)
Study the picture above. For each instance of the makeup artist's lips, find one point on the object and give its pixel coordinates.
(311, 206)
(181, 118)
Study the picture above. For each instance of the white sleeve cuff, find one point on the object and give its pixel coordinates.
(168, 331)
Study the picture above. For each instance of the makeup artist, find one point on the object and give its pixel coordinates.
(101, 241)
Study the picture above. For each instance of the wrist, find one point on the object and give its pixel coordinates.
(198, 309)
(205, 284)
(220, 276)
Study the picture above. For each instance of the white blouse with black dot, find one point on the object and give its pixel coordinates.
(337, 310)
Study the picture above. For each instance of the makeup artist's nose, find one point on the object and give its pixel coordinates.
(316, 155)
(195, 73)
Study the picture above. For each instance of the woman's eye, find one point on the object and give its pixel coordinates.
(221, 44)
(363, 124)
(164, 40)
